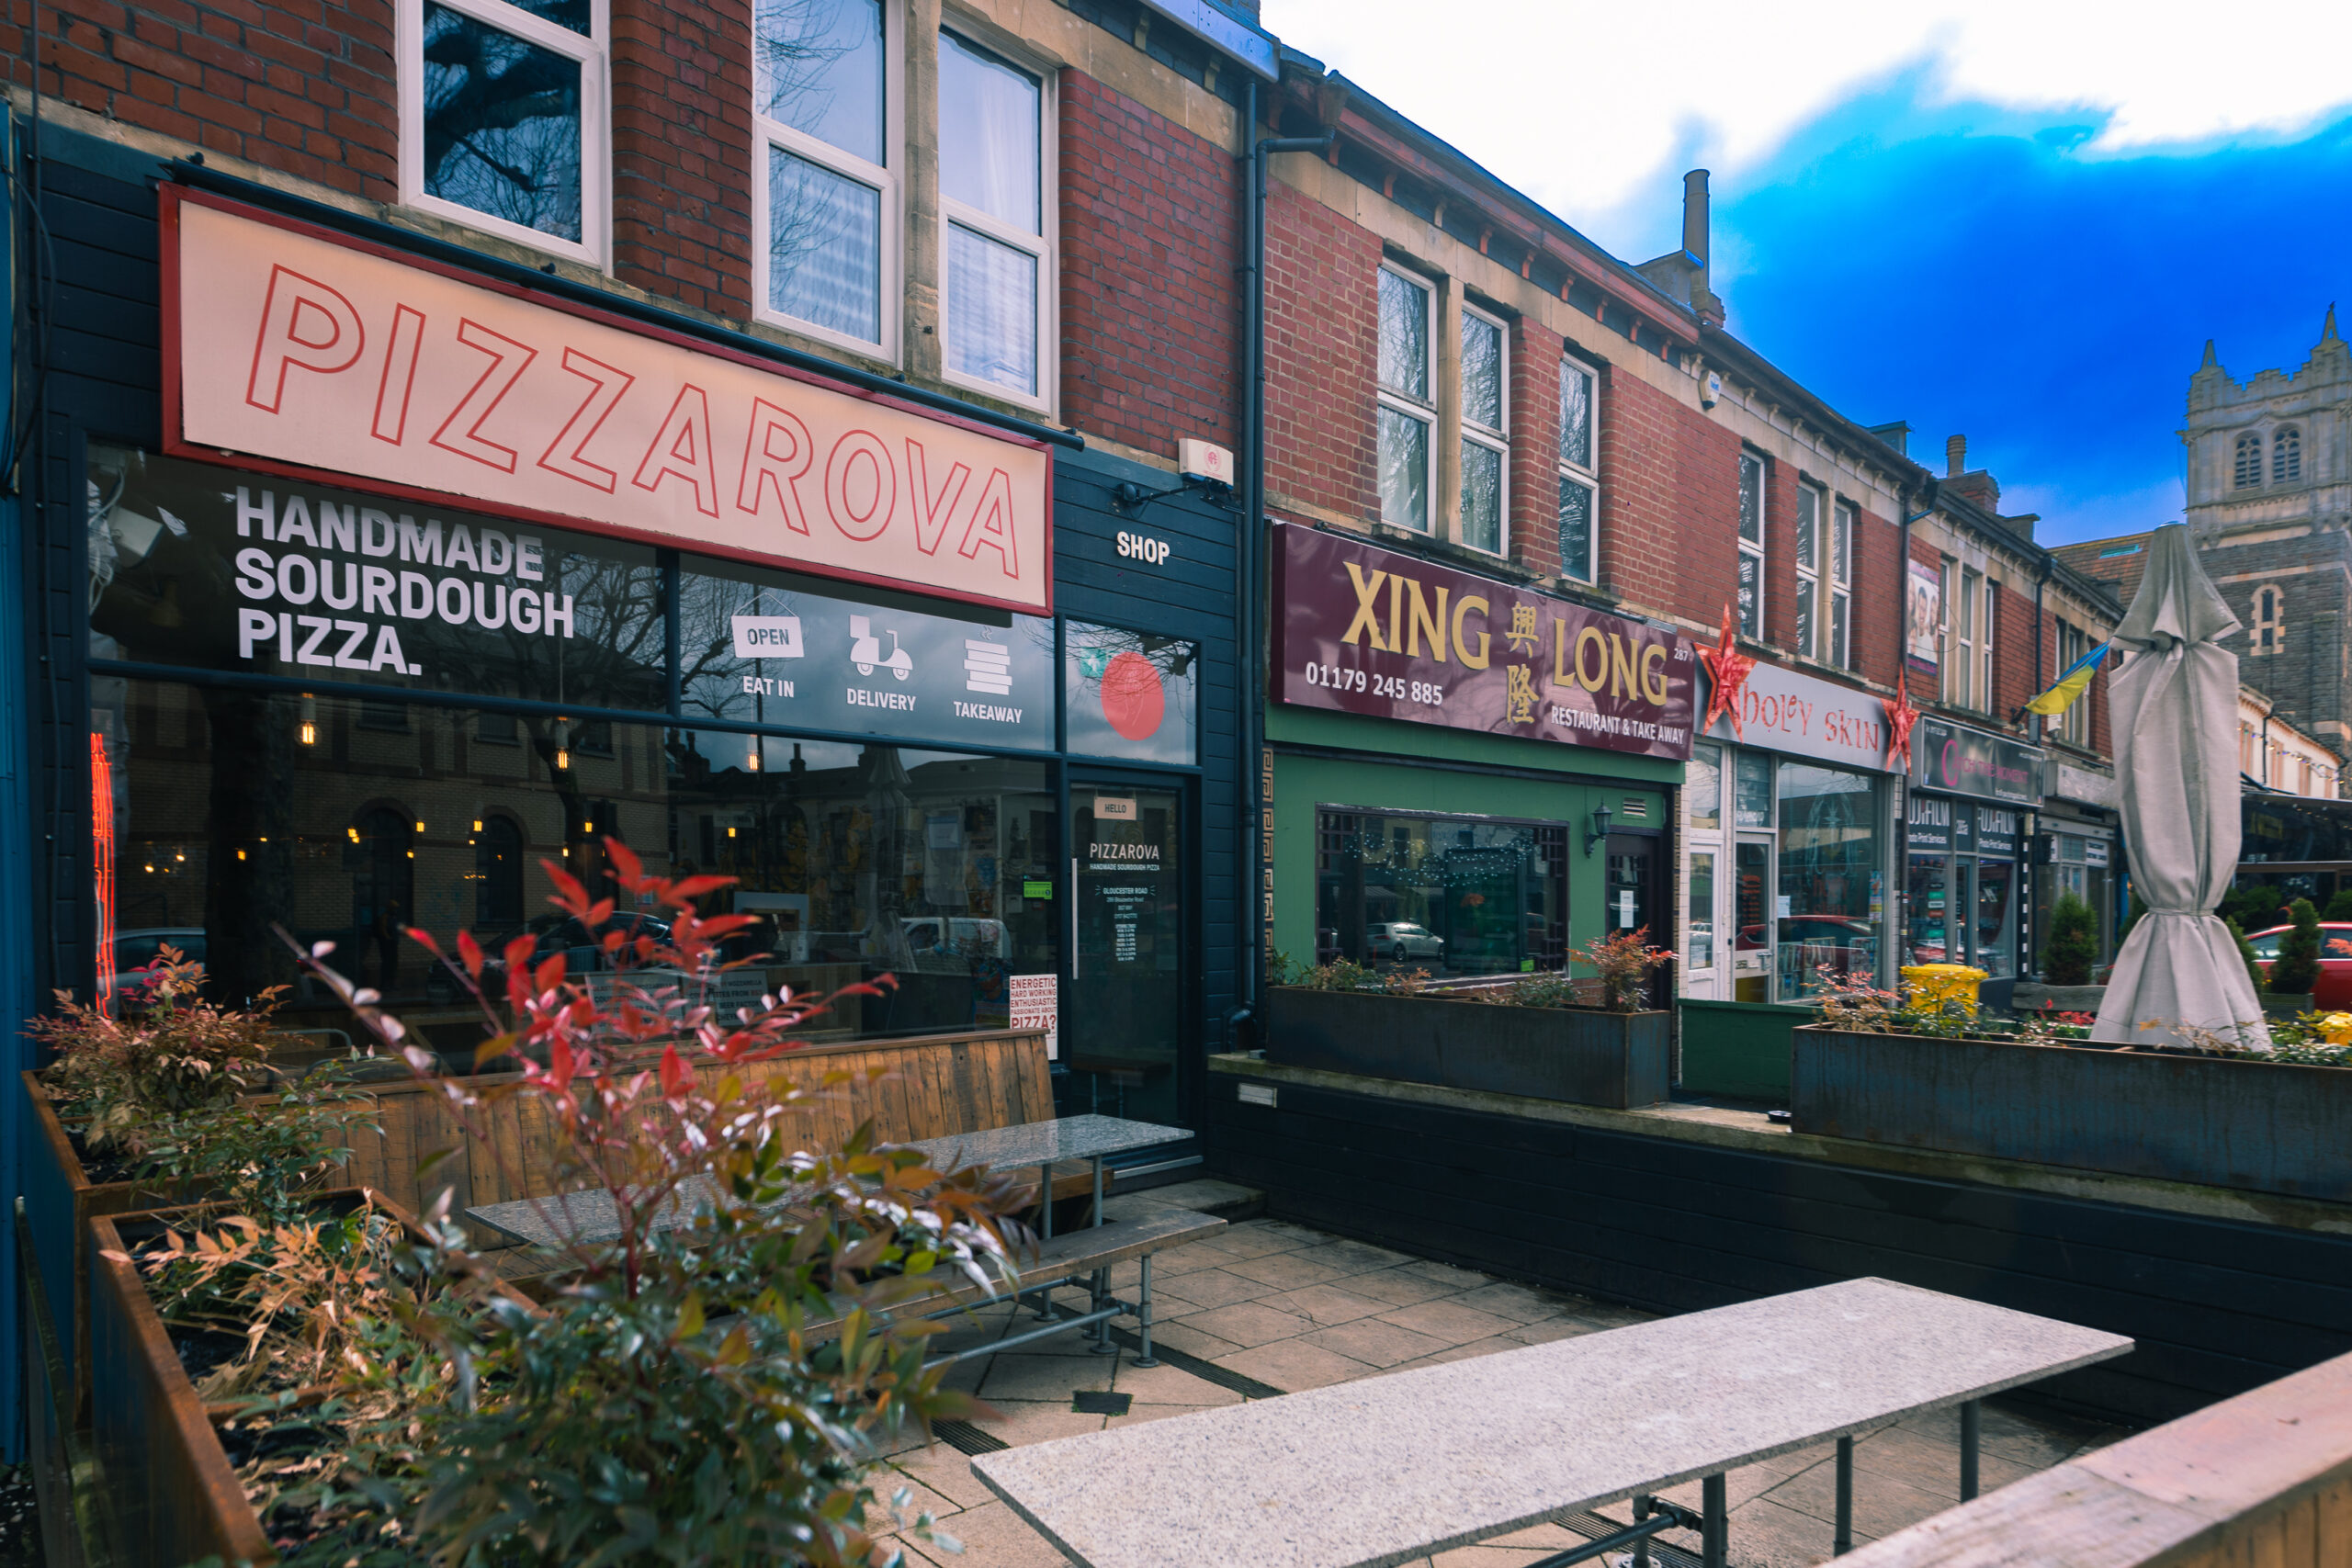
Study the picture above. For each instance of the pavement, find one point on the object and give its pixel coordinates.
(1265, 1307)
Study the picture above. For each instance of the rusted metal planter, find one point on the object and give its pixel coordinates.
(1582, 1056)
(172, 1496)
(59, 1202)
(2260, 1126)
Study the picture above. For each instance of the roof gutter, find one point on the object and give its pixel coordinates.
(1224, 32)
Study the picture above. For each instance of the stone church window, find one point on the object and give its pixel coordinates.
(2249, 465)
(2269, 612)
(2287, 456)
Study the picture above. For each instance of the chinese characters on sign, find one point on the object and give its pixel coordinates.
(1366, 630)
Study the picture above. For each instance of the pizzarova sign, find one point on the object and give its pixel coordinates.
(326, 356)
(1361, 629)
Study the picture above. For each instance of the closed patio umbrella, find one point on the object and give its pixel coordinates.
(2175, 761)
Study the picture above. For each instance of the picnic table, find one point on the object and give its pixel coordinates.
(567, 1218)
(1389, 1470)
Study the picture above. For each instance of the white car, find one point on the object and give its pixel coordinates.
(1401, 941)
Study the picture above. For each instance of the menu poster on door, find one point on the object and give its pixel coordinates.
(1037, 1004)
(1365, 630)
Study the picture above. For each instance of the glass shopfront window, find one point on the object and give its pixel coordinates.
(1453, 895)
(1964, 884)
(1829, 912)
(235, 811)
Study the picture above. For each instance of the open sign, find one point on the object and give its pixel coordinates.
(768, 636)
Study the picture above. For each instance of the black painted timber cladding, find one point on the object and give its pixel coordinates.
(2217, 1307)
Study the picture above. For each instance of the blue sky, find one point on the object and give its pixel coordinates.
(2005, 221)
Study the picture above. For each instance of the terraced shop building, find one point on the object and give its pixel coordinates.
(700, 429)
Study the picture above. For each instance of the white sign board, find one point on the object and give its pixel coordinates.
(1037, 1004)
(1783, 710)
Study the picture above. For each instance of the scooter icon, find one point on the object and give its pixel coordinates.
(866, 650)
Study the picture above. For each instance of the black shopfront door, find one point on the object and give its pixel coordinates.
(1128, 1010)
(1635, 899)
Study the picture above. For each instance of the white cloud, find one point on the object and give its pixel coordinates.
(1594, 110)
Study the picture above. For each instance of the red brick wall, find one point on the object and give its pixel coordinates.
(1695, 569)
(304, 87)
(1780, 480)
(682, 151)
(1322, 354)
(1879, 600)
(1535, 417)
(1150, 239)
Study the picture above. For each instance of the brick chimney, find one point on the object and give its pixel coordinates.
(1975, 484)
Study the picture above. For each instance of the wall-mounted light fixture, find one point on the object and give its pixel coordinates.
(309, 719)
(1601, 815)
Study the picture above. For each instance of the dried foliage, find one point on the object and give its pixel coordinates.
(170, 1054)
(1623, 962)
(1342, 975)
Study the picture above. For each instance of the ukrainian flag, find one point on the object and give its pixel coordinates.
(2072, 684)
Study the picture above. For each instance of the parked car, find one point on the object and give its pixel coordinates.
(135, 950)
(1402, 941)
(584, 951)
(2333, 991)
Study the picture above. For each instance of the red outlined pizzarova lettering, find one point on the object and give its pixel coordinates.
(606, 383)
(400, 372)
(767, 470)
(498, 380)
(277, 343)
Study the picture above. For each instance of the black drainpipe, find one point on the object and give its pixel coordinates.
(1251, 963)
(2040, 633)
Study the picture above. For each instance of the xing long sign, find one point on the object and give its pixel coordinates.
(327, 356)
(1365, 630)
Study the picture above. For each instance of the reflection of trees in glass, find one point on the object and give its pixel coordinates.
(501, 124)
(615, 657)
(1094, 647)
(708, 679)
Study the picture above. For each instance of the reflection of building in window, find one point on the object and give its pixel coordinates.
(2246, 473)
(1407, 411)
(1752, 546)
(1450, 896)
(1486, 441)
(829, 202)
(1579, 471)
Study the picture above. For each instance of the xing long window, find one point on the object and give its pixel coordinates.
(503, 121)
(1408, 412)
(998, 268)
(827, 195)
(1486, 441)
(1751, 544)
(1579, 470)
(1452, 896)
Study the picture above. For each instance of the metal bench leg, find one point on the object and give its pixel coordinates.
(1971, 1431)
(1046, 1221)
(1642, 1547)
(1843, 1542)
(1715, 1532)
(1143, 1313)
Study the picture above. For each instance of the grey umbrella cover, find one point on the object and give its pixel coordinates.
(2176, 726)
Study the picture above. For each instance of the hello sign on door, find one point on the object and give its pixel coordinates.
(328, 355)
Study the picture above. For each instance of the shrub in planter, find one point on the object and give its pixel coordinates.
(2246, 956)
(660, 1403)
(2339, 907)
(2295, 972)
(2074, 942)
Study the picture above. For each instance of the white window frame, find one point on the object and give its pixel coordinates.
(1755, 546)
(1845, 523)
(595, 54)
(767, 133)
(1404, 402)
(1587, 477)
(1044, 245)
(1495, 438)
(1962, 661)
(1813, 506)
(1986, 640)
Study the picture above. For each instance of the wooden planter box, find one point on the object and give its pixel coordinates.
(59, 1202)
(1582, 1056)
(2261, 1126)
(171, 1494)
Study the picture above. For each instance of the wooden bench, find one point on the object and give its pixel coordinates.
(912, 1089)
(1389, 1470)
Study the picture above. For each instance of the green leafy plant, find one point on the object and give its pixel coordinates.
(2074, 942)
(2246, 956)
(668, 1402)
(169, 1053)
(2339, 907)
(1623, 962)
(1340, 975)
(2295, 971)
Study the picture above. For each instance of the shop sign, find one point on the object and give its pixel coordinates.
(1996, 830)
(1928, 829)
(1037, 1004)
(292, 345)
(1801, 715)
(1923, 616)
(1365, 630)
(1958, 761)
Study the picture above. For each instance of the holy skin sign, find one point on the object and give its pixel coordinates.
(326, 355)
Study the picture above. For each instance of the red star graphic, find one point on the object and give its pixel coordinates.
(1900, 716)
(1728, 670)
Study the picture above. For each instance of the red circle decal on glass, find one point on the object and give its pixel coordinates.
(1132, 699)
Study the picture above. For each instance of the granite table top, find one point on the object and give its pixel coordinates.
(565, 1218)
(1389, 1470)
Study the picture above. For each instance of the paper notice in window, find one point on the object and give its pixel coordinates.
(1037, 1004)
